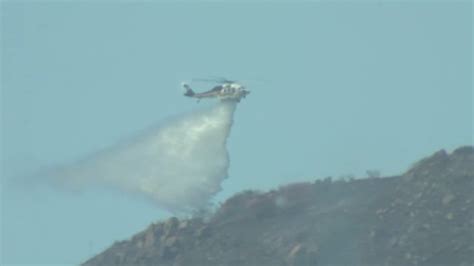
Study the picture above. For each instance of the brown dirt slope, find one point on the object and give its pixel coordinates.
(423, 217)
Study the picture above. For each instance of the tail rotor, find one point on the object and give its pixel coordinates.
(189, 92)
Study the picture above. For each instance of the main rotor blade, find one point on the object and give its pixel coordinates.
(214, 80)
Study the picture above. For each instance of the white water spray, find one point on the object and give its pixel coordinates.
(179, 165)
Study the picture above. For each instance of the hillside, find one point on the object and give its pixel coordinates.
(423, 217)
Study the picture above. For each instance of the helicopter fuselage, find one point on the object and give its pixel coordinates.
(226, 91)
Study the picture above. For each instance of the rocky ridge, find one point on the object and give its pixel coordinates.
(423, 217)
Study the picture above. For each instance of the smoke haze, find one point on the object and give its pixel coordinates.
(179, 166)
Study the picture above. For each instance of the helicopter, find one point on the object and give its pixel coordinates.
(226, 90)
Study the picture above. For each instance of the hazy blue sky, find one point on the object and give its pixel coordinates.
(336, 89)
